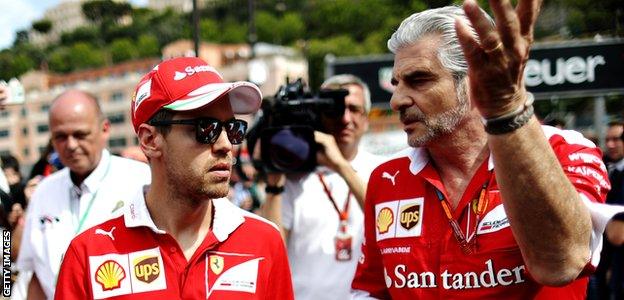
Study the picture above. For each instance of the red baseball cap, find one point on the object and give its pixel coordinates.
(187, 83)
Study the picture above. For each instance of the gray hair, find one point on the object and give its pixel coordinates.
(436, 21)
(338, 81)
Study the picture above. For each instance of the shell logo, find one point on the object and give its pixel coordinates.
(385, 218)
(109, 275)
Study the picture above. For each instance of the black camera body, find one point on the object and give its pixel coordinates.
(287, 142)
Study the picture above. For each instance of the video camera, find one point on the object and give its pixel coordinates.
(287, 137)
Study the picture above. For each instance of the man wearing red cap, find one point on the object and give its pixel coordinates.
(181, 239)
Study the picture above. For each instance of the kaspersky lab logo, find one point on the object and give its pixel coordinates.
(190, 71)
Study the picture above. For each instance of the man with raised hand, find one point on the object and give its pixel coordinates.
(487, 203)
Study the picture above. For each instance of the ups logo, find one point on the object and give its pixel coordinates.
(146, 269)
(410, 215)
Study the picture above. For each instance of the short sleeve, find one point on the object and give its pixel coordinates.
(72, 281)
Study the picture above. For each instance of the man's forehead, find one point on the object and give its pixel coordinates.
(421, 55)
(71, 126)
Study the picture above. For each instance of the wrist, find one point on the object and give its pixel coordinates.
(511, 121)
(274, 189)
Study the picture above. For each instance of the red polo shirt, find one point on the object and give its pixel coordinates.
(411, 252)
(242, 257)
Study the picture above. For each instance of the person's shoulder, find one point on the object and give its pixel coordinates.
(124, 169)
(54, 180)
(53, 185)
(131, 164)
(259, 223)
(557, 136)
(100, 235)
(367, 161)
(414, 158)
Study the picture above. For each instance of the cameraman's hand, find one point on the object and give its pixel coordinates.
(276, 179)
(329, 154)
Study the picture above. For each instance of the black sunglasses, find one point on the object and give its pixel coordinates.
(207, 130)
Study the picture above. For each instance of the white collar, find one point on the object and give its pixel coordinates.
(227, 217)
(419, 159)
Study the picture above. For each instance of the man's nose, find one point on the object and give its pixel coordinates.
(347, 117)
(222, 144)
(72, 142)
(400, 98)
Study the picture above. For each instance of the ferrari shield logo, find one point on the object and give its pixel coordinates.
(216, 264)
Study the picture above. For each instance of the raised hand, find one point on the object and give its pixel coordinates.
(498, 54)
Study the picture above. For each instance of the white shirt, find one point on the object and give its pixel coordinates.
(313, 223)
(57, 207)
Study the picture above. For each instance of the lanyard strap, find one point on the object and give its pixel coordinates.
(344, 214)
(86, 213)
(479, 206)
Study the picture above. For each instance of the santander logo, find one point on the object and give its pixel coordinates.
(190, 71)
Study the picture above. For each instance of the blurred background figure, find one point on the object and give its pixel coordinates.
(614, 147)
(91, 189)
(48, 163)
(11, 169)
(320, 212)
(608, 280)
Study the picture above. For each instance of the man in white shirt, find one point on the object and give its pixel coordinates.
(92, 189)
(320, 213)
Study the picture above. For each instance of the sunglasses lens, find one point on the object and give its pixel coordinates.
(236, 131)
(208, 131)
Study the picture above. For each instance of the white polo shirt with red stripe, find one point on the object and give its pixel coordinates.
(411, 252)
(242, 257)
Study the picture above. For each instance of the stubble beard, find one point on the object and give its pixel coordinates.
(440, 124)
(195, 188)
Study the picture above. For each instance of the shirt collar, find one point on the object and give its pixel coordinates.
(227, 217)
(419, 159)
(93, 181)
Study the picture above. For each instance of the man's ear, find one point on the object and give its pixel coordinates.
(150, 141)
(106, 128)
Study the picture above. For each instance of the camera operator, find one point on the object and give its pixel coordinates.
(320, 212)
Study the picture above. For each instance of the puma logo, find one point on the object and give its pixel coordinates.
(108, 233)
(387, 175)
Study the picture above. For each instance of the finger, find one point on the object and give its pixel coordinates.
(507, 23)
(527, 11)
(467, 40)
(483, 27)
(321, 138)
